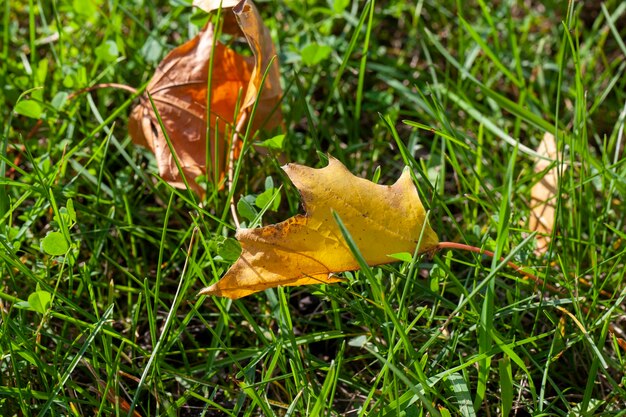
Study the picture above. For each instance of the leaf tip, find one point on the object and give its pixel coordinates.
(207, 290)
(219, 290)
(215, 291)
(241, 7)
(406, 174)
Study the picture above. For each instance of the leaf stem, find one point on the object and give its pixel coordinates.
(614, 330)
(100, 86)
(77, 93)
(517, 268)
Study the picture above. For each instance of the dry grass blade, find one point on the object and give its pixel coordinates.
(543, 194)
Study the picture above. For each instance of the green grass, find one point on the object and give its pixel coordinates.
(460, 92)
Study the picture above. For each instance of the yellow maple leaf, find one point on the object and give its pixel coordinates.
(307, 249)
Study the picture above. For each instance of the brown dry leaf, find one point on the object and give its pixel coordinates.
(179, 92)
(210, 5)
(543, 194)
(308, 249)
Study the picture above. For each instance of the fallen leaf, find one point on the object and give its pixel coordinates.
(179, 92)
(543, 194)
(308, 249)
(210, 5)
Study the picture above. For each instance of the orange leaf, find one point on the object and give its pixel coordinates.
(308, 249)
(179, 91)
(543, 194)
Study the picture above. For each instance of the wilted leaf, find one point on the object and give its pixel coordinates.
(179, 91)
(210, 5)
(543, 194)
(308, 249)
